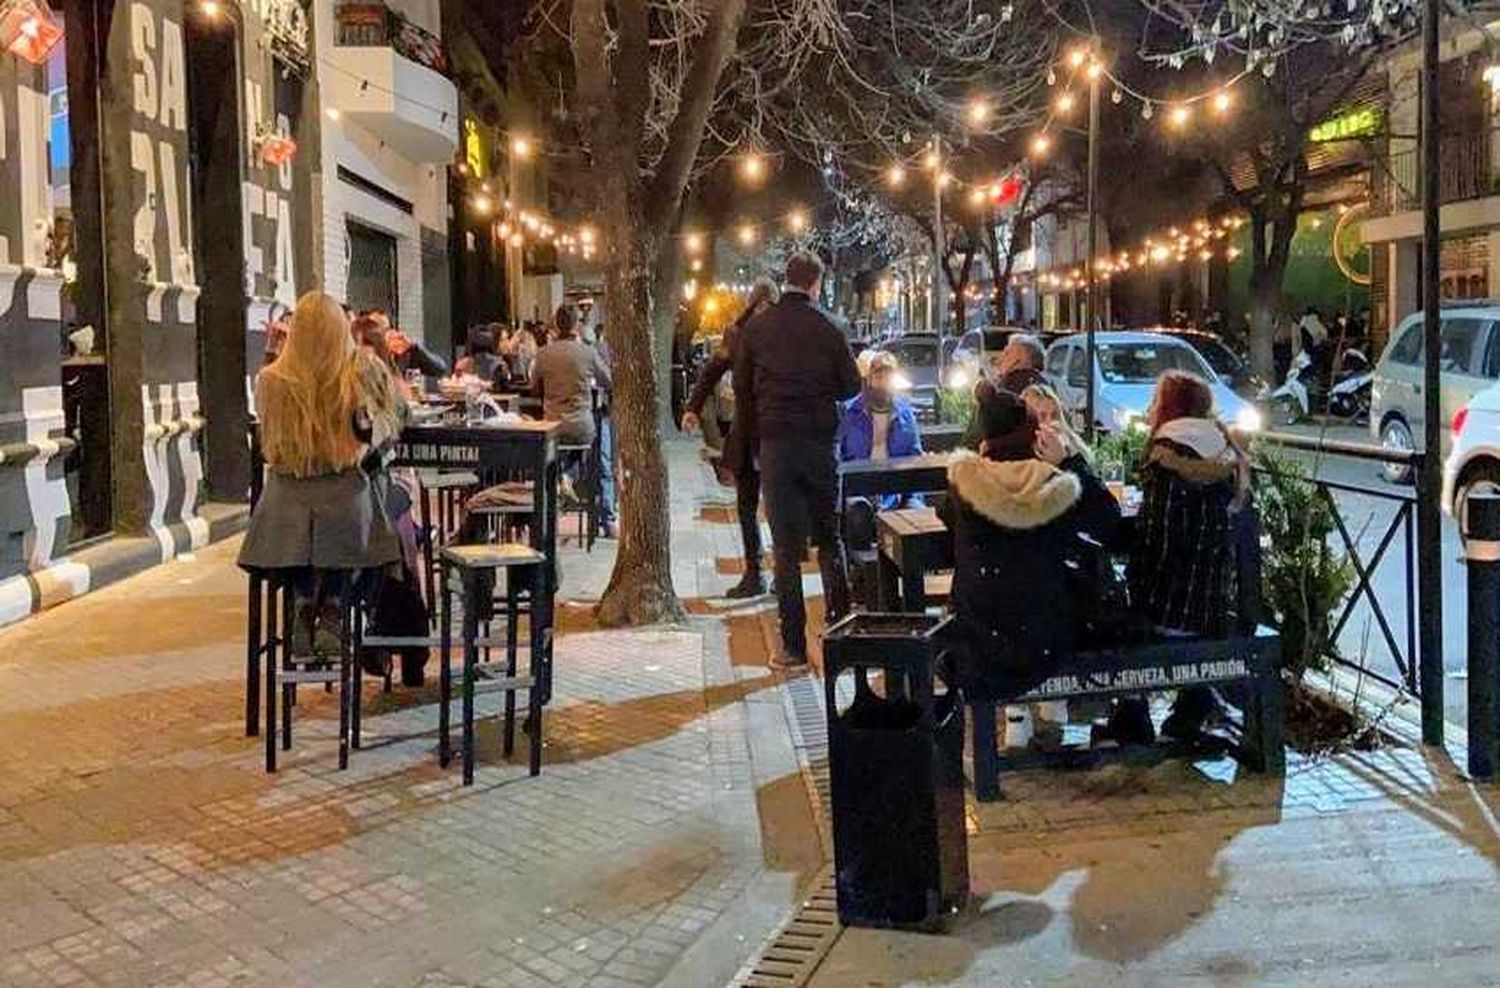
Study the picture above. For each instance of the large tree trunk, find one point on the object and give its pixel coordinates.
(640, 588)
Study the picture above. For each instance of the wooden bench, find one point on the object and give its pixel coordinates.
(1252, 662)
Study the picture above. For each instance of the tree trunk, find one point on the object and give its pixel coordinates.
(640, 588)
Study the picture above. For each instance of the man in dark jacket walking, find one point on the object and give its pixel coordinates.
(793, 369)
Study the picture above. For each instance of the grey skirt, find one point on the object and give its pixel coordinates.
(334, 521)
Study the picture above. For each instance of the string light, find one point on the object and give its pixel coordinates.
(482, 204)
(979, 112)
(1065, 103)
(976, 196)
(210, 8)
(1180, 116)
(1221, 103)
(746, 234)
(693, 242)
(752, 167)
(796, 221)
(895, 176)
(1040, 144)
(932, 159)
(520, 147)
(1077, 57)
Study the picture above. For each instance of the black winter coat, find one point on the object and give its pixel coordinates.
(1182, 566)
(1021, 578)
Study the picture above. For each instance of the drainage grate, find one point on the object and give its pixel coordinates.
(791, 956)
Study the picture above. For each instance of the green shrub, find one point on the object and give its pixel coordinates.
(1304, 578)
(1125, 449)
(955, 406)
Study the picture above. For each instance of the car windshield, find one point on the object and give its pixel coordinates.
(917, 354)
(1223, 360)
(1142, 363)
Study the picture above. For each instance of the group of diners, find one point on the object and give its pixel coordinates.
(1035, 530)
(331, 402)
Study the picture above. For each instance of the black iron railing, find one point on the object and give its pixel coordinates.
(374, 25)
(1401, 523)
(1466, 171)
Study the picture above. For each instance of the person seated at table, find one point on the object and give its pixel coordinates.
(481, 359)
(1195, 482)
(1019, 511)
(565, 374)
(1019, 364)
(878, 424)
(1015, 368)
(324, 405)
(1047, 409)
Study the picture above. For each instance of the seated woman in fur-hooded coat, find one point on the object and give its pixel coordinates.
(1019, 511)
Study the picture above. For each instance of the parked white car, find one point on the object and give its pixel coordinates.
(1126, 367)
(1474, 462)
(1470, 364)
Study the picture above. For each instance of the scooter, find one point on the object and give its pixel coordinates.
(1292, 401)
(1349, 398)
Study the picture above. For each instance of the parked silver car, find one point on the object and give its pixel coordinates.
(1470, 362)
(1126, 367)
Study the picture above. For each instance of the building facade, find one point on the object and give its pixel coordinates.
(1468, 179)
(177, 177)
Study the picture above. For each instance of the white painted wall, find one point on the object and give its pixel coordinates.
(425, 185)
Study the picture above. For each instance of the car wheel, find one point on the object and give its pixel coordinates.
(1482, 476)
(1395, 435)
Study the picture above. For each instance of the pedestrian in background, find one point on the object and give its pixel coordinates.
(737, 452)
(795, 371)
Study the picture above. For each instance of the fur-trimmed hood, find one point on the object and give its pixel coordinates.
(1197, 450)
(1019, 494)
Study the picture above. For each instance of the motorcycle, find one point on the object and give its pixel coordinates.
(1349, 398)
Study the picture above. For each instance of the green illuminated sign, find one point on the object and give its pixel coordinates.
(1363, 122)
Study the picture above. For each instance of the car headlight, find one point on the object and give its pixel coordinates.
(900, 382)
(960, 379)
(1249, 420)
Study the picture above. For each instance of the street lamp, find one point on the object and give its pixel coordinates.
(1093, 75)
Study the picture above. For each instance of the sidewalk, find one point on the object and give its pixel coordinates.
(142, 844)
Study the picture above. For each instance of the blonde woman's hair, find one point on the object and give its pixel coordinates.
(307, 398)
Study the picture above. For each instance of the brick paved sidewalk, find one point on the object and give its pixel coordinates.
(142, 844)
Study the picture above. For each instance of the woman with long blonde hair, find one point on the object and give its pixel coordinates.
(324, 405)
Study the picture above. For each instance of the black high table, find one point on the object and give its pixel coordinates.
(500, 451)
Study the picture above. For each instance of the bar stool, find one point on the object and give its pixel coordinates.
(440, 511)
(525, 568)
(283, 678)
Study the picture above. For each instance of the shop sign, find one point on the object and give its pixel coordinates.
(285, 23)
(1364, 122)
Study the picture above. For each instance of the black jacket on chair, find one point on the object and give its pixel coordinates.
(1021, 565)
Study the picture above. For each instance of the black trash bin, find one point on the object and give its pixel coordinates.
(896, 763)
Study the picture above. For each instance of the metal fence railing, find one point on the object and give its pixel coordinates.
(1466, 170)
(374, 25)
(1369, 520)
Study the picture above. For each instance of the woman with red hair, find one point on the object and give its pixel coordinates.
(1194, 482)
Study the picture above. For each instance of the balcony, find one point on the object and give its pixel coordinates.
(1465, 171)
(389, 79)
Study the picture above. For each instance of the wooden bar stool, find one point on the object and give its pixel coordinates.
(525, 568)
